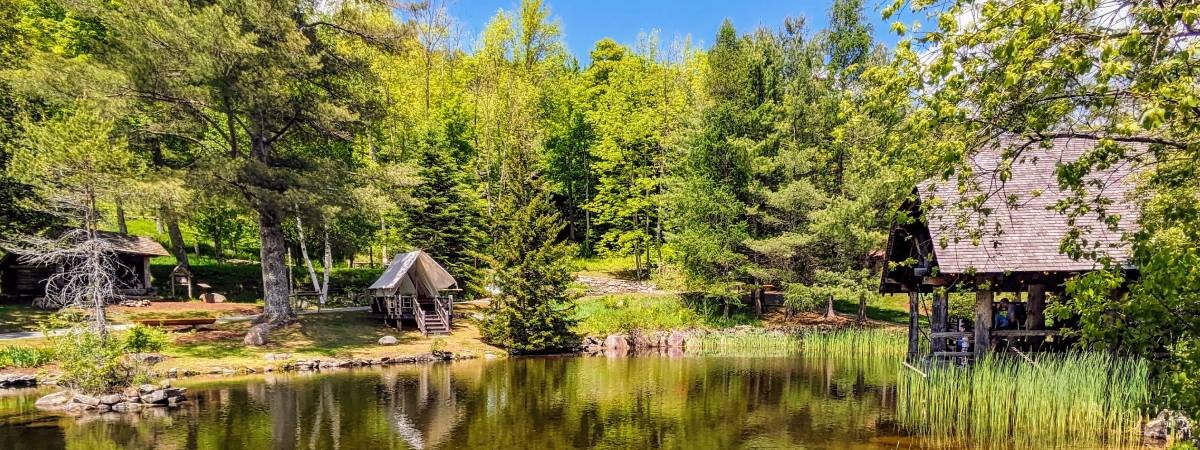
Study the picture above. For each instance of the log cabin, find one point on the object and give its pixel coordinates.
(21, 282)
(1008, 240)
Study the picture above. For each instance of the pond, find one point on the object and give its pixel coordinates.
(532, 402)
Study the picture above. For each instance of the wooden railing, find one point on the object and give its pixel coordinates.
(419, 315)
(442, 305)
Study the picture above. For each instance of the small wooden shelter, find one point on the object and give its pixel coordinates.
(1009, 243)
(23, 282)
(416, 289)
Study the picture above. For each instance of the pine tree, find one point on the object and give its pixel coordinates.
(447, 223)
(533, 312)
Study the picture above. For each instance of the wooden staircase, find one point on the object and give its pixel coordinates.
(433, 323)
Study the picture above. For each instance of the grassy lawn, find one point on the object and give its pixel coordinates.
(606, 314)
(324, 336)
(605, 267)
(885, 308)
(21, 317)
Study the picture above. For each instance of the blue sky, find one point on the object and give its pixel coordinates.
(586, 21)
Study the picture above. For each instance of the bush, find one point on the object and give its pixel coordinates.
(14, 356)
(144, 339)
(89, 363)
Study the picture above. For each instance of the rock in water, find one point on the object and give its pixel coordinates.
(388, 340)
(618, 343)
(112, 399)
(257, 336)
(677, 339)
(57, 400)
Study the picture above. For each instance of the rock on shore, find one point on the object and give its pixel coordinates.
(130, 400)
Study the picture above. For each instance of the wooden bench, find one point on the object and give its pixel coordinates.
(189, 322)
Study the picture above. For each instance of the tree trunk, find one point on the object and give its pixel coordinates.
(914, 304)
(276, 309)
(327, 266)
(121, 227)
(177, 246)
(312, 273)
(862, 309)
(829, 313)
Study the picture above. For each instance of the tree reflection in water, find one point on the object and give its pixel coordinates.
(536, 402)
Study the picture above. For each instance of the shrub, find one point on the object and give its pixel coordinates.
(143, 339)
(16, 356)
(90, 363)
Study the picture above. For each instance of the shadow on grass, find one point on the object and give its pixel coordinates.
(21, 317)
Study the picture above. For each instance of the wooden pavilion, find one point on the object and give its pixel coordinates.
(417, 289)
(23, 282)
(1009, 243)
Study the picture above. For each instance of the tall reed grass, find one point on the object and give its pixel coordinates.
(858, 343)
(1075, 400)
(744, 344)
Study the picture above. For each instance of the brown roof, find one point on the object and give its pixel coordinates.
(134, 245)
(1025, 238)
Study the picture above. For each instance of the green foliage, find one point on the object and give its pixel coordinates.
(90, 363)
(858, 343)
(849, 286)
(533, 312)
(144, 339)
(27, 357)
(623, 313)
(448, 221)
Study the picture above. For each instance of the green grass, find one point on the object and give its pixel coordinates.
(620, 313)
(1081, 399)
(21, 317)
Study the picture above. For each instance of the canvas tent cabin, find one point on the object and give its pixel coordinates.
(1009, 243)
(415, 289)
(23, 282)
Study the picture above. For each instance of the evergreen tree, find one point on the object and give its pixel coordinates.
(533, 312)
(447, 222)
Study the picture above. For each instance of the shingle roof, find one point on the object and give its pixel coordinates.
(1026, 238)
(134, 245)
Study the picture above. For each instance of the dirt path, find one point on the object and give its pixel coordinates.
(605, 285)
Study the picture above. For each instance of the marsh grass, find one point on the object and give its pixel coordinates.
(1062, 400)
(25, 357)
(744, 344)
(857, 342)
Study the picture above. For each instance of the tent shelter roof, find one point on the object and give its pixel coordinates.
(413, 273)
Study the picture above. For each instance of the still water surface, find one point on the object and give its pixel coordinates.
(518, 403)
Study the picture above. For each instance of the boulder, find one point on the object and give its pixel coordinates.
(1167, 424)
(173, 372)
(388, 340)
(677, 339)
(86, 399)
(57, 400)
(257, 336)
(16, 380)
(617, 342)
(147, 388)
(111, 399)
(156, 397)
(174, 401)
(212, 297)
(148, 359)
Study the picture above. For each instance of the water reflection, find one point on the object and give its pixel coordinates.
(540, 403)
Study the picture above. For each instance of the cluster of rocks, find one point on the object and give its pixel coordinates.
(132, 399)
(1167, 424)
(134, 303)
(18, 380)
(284, 362)
(600, 286)
(620, 344)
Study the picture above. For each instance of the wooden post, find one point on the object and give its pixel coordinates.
(1036, 313)
(1037, 306)
(914, 323)
(937, 321)
(983, 322)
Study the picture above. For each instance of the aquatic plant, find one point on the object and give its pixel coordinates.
(857, 342)
(1051, 401)
(762, 343)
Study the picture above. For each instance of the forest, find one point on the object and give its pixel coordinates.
(290, 133)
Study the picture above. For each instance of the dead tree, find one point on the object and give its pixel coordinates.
(87, 272)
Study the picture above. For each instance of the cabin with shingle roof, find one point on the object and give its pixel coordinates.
(22, 282)
(1002, 228)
